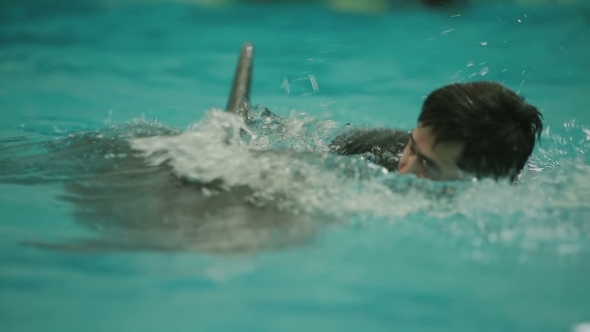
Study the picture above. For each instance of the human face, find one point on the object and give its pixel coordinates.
(428, 160)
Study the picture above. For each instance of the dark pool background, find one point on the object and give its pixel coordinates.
(498, 257)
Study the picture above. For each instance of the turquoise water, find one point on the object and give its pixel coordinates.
(495, 257)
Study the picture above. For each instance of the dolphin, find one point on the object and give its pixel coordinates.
(132, 206)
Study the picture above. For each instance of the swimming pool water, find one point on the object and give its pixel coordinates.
(498, 258)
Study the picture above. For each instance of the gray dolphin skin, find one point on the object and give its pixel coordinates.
(239, 97)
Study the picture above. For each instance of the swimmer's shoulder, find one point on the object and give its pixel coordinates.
(361, 140)
(385, 145)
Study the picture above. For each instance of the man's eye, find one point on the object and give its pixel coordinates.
(425, 164)
(429, 171)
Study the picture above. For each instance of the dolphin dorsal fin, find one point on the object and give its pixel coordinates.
(239, 97)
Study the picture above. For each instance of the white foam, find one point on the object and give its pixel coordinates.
(289, 167)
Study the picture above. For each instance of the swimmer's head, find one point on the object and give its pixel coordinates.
(480, 129)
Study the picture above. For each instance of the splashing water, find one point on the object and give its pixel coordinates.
(285, 166)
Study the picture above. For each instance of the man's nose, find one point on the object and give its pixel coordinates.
(409, 166)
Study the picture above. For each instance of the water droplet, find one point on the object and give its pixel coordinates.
(286, 85)
(314, 82)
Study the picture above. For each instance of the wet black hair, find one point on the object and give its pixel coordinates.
(497, 127)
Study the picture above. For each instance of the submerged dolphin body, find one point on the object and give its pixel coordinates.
(134, 206)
